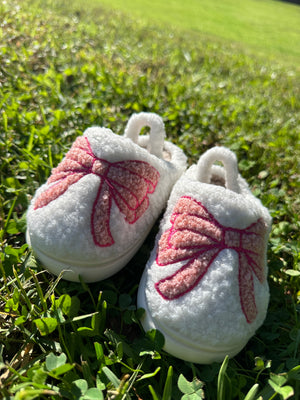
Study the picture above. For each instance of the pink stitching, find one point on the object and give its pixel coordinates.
(174, 246)
(124, 187)
(127, 182)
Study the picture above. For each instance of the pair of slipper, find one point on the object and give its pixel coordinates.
(205, 284)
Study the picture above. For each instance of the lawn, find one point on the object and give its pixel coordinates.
(66, 67)
(267, 27)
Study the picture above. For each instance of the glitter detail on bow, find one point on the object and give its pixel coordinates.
(197, 237)
(127, 183)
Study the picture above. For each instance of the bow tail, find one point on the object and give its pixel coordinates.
(187, 277)
(100, 217)
(131, 213)
(246, 288)
(130, 188)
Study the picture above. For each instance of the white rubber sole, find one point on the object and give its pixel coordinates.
(178, 346)
(87, 271)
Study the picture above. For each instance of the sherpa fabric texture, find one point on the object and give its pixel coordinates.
(98, 205)
(205, 285)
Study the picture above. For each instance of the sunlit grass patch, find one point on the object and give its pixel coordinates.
(268, 28)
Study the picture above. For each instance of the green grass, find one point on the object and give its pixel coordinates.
(65, 68)
(267, 27)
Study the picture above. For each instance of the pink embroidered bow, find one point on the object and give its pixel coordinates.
(197, 237)
(128, 183)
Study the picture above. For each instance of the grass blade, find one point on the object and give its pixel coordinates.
(112, 377)
(252, 392)
(153, 393)
(167, 394)
(221, 394)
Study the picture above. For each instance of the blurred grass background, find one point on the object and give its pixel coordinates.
(266, 27)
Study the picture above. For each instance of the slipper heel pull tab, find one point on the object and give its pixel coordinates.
(229, 160)
(157, 131)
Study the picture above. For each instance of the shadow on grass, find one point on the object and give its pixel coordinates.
(291, 1)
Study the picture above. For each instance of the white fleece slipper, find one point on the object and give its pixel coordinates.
(99, 204)
(205, 285)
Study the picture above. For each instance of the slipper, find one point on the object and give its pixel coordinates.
(99, 204)
(205, 285)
